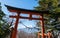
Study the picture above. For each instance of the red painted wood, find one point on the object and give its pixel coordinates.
(30, 12)
(41, 34)
(27, 18)
(30, 18)
(42, 25)
(17, 19)
(49, 35)
(15, 27)
(25, 12)
(12, 10)
(38, 35)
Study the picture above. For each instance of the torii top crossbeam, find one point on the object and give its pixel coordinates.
(25, 11)
(14, 9)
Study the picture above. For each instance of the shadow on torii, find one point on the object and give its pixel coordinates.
(25, 11)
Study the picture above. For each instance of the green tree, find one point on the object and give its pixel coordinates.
(53, 7)
(4, 26)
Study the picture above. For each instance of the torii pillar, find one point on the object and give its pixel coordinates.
(25, 11)
(14, 32)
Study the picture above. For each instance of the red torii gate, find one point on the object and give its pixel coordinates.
(25, 11)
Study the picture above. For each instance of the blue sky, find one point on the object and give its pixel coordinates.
(26, 4)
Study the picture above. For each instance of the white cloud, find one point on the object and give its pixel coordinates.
(20, 26)
(30, 26)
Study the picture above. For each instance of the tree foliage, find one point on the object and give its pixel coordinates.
(4, 26)
(53, 7)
